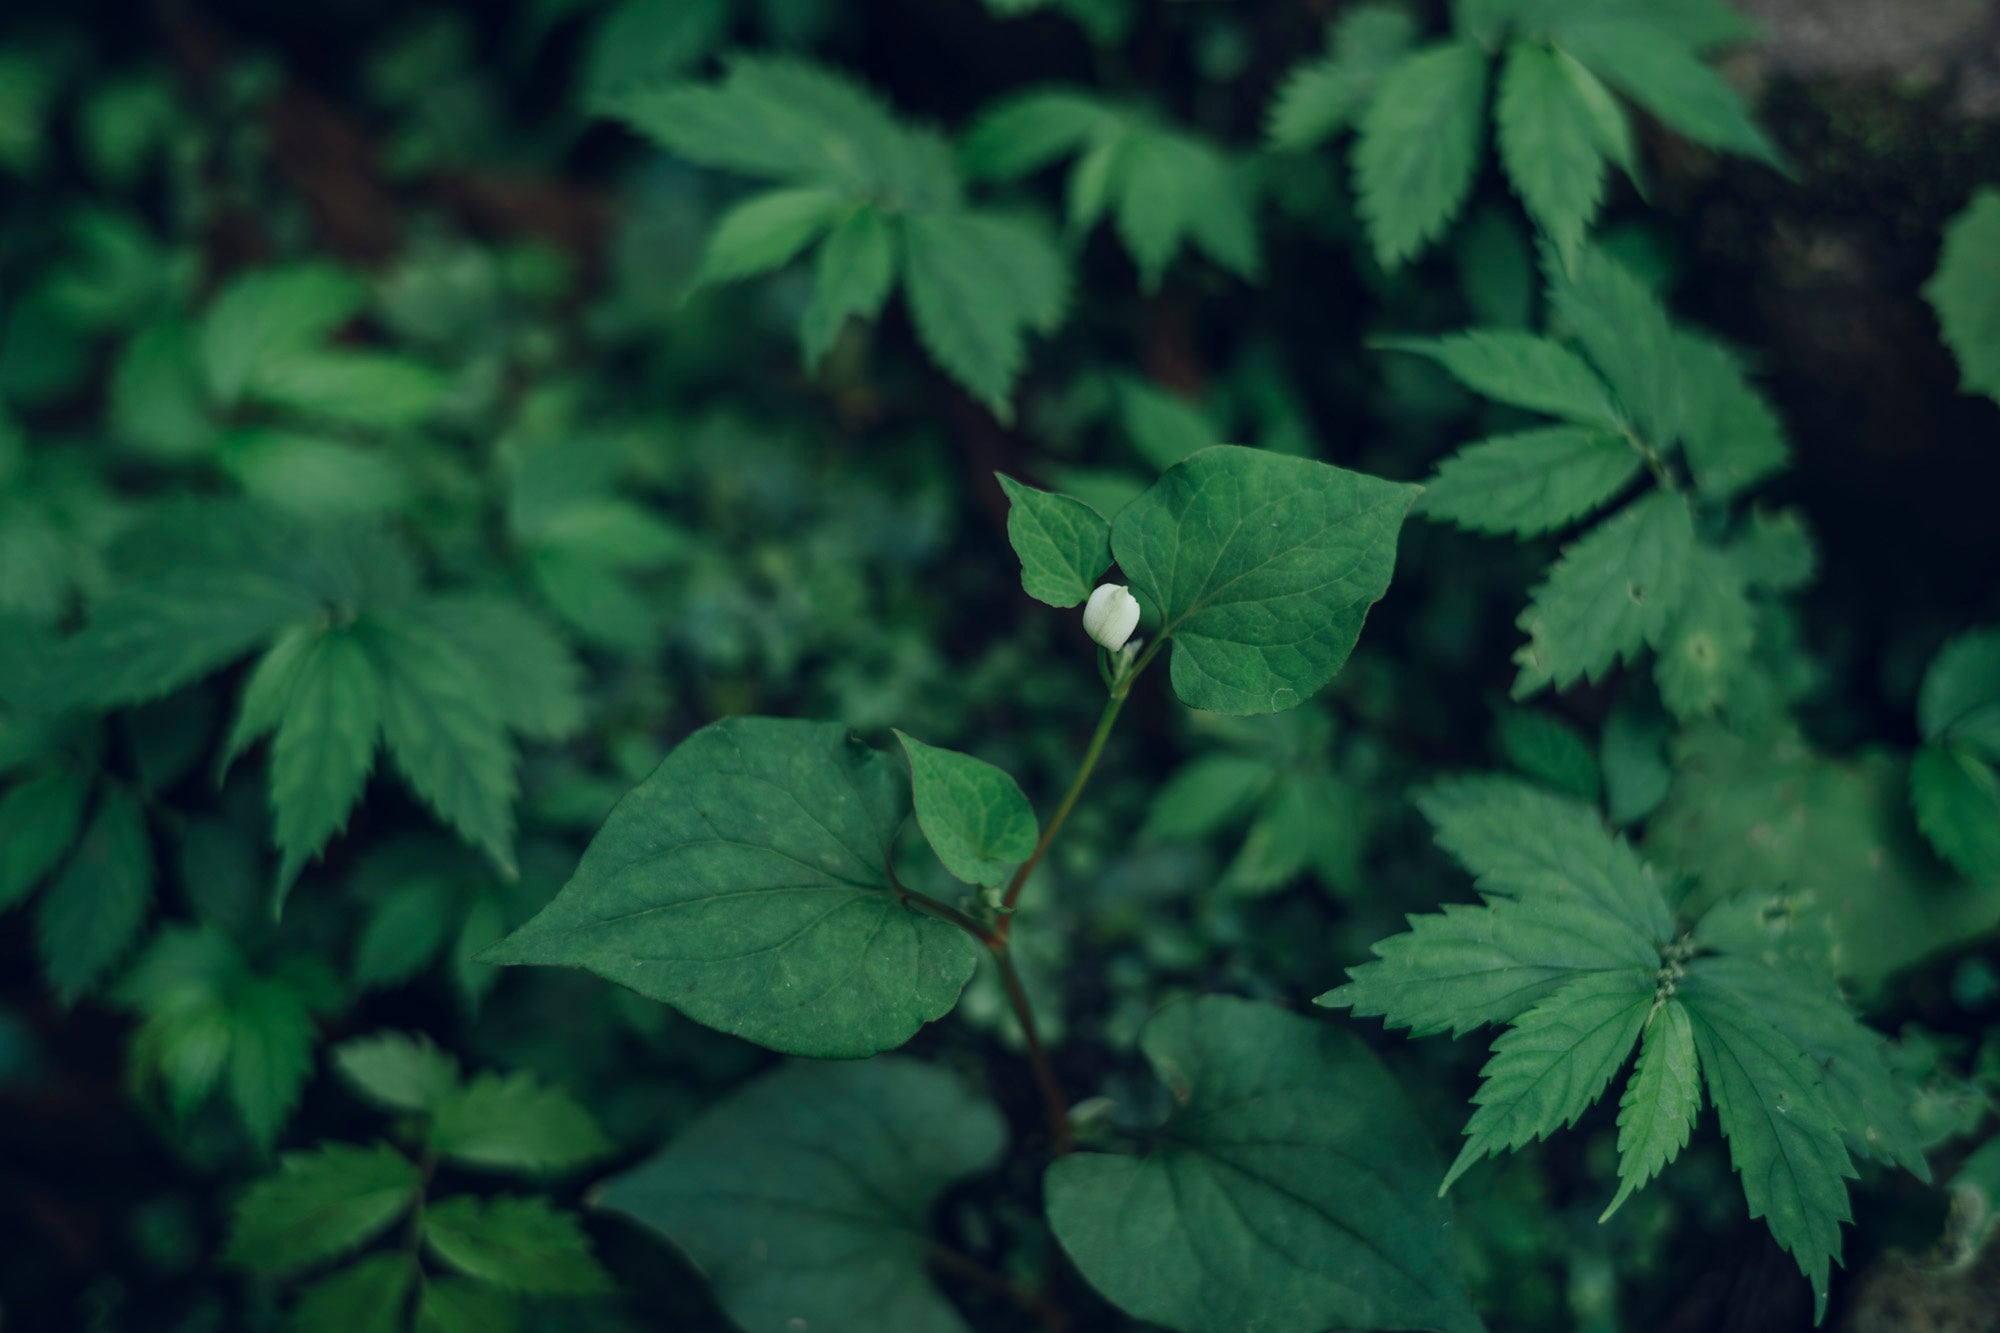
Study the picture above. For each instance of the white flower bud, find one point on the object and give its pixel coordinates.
(1111, 614)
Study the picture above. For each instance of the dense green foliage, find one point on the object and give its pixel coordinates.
(547, 775)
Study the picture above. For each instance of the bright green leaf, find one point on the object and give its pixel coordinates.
(1325, 96)
(1523, 370)
(767, 231)
(268, 316)
(324, 748)
(856, 267)
(514, 1122)
(1530, 482)
(398, 1071)
(1064, 544)
(977, 284)
(1660, 1103)
(320, 1204)
(90, 914)
(1548, 144)
(1419, 148)
(518, 1243)
(1965, 292)
(1624, 329)
(974, 815)
(1666, 78)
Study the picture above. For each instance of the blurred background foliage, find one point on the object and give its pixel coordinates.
(501, 401)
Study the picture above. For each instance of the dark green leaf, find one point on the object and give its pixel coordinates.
(320, 1204)
(1661, 1101)
(325, 746)
(1549, 144)
(1965, 292)
(39, 819)
(1523, 370)
(974, 815)
(1419, 148)
(90, 915)
(520, 1244)
(1532, 481)
(368, 1296)
(856, 267)
(514, 1122)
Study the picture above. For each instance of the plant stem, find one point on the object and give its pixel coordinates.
(1054, 1104)
(1035, 1302)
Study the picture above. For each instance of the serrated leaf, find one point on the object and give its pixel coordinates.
(1783, 1138)
(745, 882)
(1026, 133)
(1527, 843)
(264, 317)
(1523, 370)
(767, 231)
(1732, 437)
(977, 284)
(39, 819)
(1163, 427)
(398, 1071)
(807, 1194)
(1774, 551)
(320, 1204)
(642, 43)
(530, 672)
(466, 1305)
(89, 916)
(1632, 753)
(1549, 144)
(514, 1122)
(444, 732)
(1614, 591)
(1609, 124)
(1666, 78)
(1707, 645)
(1554, 1061)
(1255, 1205)
(1550, 750)
(1321, 98)
(1961, 690)
(325, 746)
(1419, 148)
(851, 280)
(1957, 800)
(1205, 794)
(521, 1244)
(1531, 481)
(1470, 965)
(1661, 1101)
(974, 815)
(1965, 292)
(271, 1045)
(1624, 329)
(1263, 568)
(404, 933)
(1064, 544)
(368, 1296)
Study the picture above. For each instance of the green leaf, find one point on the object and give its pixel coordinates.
(518, 1244)
(1661, 1101)
(1774, 552)
(1707, 646)
(1205, 794)
(1419, 148)
(807, 1195)
(1783, 1137)
(1624, 329)
(465, 1305)
(404, 933)
(1291, 1190)
(1523, 370)
(159, 399)
(1960, 697)
(1163, 427)
(514, 1122)
(378, 390)
(1527, 843)
(1555, 1060)
(1470, 965)
(641, 43)
(1732, 437)
(1323, 97)
(1965, 292)
(39, 819)
(1666, 78)
(1609, 124)
(1550, 750)
(1026, 133)
(272, 1036)
(974, 815)
(767, 231)
(325, 746)
(444, 731)
(320, 1204)
(316, 477)
(1613, 591)
(527, 668)
(397, 1071)
(977, 284)
(266, 317)
(851, 280)
(1548, 144)
(368, 1296)
(1530, 482)
(1633, 756)
(746, 883)
(1957, 800)
(1263, 568)
(90, 915)
(1064, 544)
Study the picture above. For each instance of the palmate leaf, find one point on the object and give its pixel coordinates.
(1033, 130)
(1263, 567)
(1419, 148)
(1661, 1101)
(1624, 330)
(1532, 481)
(746, 883)
(806, 1196)
(974, 815)
(1064, 544)
(1293, 1189)
(1549, 144)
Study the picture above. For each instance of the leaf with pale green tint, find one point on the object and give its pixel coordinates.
(1522, 370)
(1661, 1101)
(320, 1204)
(1532, 481)
(1550, 750)
(1666, 78)
(767, 231)
(89, 916)
(977, 285)
(1419, 148)
(851, 279)
(325, 746)
(1263, 568)
(1732, 437)
(746, 883)
(806, 1196)
(368, 1296)
(267, 316)
(1064, 544)
(1322, 97)
(1548, 144)
(1527, 843)
(974, 815)
(1293, 1189)
(1784, 1139)
(1707, 645)
(397, 1071)
(39, 820)
(1614, 591)
(1965, 292)
(1624, 330)
(1956, 795)
(1554, 1061)
(1469, 965)
(521, 1244)
(514, 1122)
